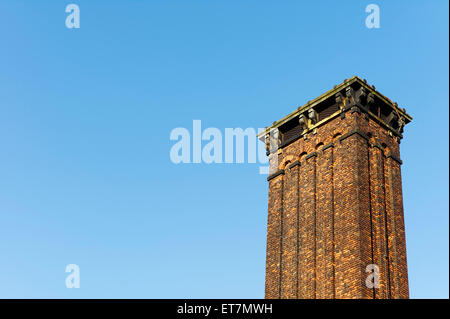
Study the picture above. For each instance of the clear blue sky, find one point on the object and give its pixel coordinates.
(85, 118)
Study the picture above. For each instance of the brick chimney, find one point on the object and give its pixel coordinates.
(335, 219)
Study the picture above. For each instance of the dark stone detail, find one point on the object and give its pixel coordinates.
(272, 141)
(370, 99)
(360, 96)
(296, 163)
(327, 146)
(338, 98)
(347, 107)
(355, 109)
(313, 116)
(342, 115)
(395, 158)
(363, 135)
(377, 146)
(349, 92)
(401, 124)
(302, 122)
(313, 154)
(267, 143)
(277, 173)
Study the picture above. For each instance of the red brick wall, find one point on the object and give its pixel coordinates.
(335, 206)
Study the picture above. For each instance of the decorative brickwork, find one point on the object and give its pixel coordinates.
(335, 199)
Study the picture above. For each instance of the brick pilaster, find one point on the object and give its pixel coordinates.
(274, 238)
(325, 225)
(307, 220)
(289, 255)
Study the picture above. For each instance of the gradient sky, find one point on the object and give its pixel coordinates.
(85, 118)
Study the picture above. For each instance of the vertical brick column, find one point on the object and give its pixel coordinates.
(352, 228)
(400, 230)
(380, 254)
(396, 229)
(364, 212)
(307, 219)
(274, 237)
(390, 229)
(324, 224)
(346, 222)
(290, 233)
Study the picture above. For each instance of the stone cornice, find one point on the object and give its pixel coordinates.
(352, 132)
(296, 163)
(313, 154)
(336, 90)
(325, 147)
(395, 158)
(277, 173)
